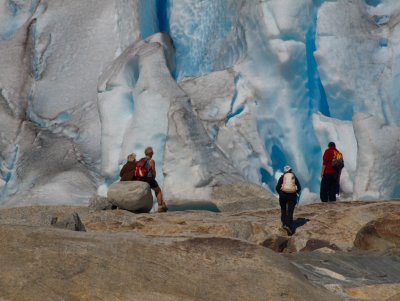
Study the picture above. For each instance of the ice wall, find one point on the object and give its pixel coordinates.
(51, 56)
(135, 93)
(301, 69)
(268, 120)
(378, 171)
(248, 87)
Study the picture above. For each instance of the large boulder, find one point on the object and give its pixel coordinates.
(131, 195)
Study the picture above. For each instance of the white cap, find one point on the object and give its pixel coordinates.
(287, 168)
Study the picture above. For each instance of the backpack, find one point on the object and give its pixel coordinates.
(289, 183)
(337, 161)
(142, 169)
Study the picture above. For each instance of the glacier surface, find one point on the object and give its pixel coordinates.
(225, 91)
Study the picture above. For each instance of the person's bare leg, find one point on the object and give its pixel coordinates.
(160, 201)
(159, 197)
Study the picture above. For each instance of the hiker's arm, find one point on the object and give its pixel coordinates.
(322, 170)
(153, 167)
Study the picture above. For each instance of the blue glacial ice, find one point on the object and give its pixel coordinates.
(238, 88)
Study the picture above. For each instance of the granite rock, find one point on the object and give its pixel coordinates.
(134, 196)
(380, 234)
(129, 266)
(72, 222)
(97, 203)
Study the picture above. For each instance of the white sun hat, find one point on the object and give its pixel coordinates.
(287, 168)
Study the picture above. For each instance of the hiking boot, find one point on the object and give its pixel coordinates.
(163, 208)
(288, 230)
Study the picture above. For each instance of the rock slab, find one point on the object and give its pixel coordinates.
(43, 264)
(172, 256)
(380, 234)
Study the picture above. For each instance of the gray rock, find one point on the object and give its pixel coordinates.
(360, 276)
(131, 195)
(97, 203)
(380, 234)
(73, 223)
(169, 254)
(129, 266)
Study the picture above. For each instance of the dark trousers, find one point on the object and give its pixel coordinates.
(328, 190)
(287, 209)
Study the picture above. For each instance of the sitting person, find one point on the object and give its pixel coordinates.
(127, 172)
(150, 177)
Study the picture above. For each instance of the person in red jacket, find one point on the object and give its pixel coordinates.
(330, 176)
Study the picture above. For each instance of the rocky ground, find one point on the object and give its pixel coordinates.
(340, 251)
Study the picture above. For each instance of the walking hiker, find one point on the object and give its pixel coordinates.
(146, 172)
(288, 188)
(127, 172)
(332, 164)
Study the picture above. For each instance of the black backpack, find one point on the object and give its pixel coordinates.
(337, 161)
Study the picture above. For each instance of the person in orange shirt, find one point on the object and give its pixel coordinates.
(330, 175)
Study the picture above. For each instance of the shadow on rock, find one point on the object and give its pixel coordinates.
(208, 206)
(298, 222)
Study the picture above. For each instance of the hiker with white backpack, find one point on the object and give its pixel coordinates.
(288, 188)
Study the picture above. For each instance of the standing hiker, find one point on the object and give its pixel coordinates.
(288, 188)
(332, 164)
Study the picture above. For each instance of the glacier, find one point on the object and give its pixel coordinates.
(224, 91)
